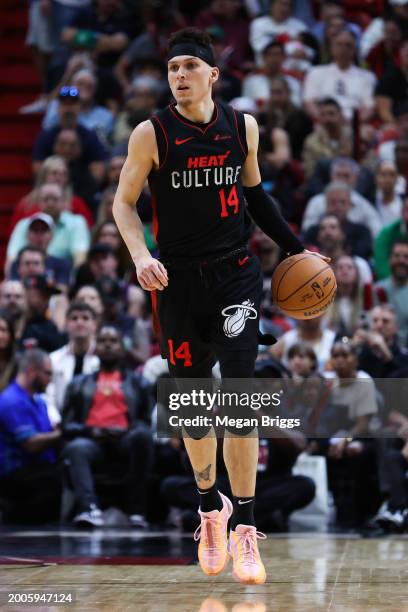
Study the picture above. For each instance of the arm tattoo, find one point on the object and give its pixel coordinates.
(204, 474)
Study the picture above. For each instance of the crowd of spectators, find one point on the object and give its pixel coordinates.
(79, 358)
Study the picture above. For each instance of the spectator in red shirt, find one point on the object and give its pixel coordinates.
(53, 170)
(385, 54)
(107, 414)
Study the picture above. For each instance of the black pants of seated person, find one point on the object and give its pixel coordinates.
(396, 467)
(277, 493)
(32, 494)
(281, 493)
(355, 486)
(134, 453)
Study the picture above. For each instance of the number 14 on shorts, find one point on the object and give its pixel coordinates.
(182, 353)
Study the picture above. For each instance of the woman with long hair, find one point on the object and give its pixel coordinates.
(88, 294)
(8, 364)
(282, 116)
(344, 315)
(53, 170)
(106, 232)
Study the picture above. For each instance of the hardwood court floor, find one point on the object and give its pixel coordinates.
(306, 572)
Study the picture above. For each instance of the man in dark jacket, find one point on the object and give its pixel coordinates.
(380, 350)
(39, 330)
(107, 414)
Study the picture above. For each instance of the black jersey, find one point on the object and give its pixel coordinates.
(197, 195)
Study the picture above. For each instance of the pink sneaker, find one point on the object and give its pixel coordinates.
(243, 548)
(212, 533)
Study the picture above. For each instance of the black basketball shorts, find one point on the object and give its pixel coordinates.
(210, 312)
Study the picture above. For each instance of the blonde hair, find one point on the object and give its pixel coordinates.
(41, 180)
(333, 317)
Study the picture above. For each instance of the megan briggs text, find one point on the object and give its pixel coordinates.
(226, 421)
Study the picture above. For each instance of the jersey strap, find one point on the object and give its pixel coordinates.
(161, 139)
(237, 122)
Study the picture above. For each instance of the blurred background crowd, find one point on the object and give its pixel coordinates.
(79, 359)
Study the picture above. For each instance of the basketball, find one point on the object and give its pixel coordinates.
(303, 286)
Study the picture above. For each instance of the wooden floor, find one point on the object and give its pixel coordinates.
(305, 573)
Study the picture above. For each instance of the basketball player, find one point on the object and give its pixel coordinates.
(200, 158)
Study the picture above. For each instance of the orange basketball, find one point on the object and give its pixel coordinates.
(303, 286)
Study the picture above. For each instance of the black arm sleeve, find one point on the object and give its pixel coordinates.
(266, 215)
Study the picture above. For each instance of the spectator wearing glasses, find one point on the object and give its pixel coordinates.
(93, 152)
(92, 116)
(70, 237)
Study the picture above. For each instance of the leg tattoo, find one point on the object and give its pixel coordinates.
(203, 475)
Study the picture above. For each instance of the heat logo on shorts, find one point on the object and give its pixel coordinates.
(234, 323)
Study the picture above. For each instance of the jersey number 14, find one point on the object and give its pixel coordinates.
(232, 200)
(182, 352)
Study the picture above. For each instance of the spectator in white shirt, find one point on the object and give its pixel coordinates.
(344, 170)
(280, 21)
(350, 85)
(388, 201)
(257, 85)
(75, 358)
(308, 332)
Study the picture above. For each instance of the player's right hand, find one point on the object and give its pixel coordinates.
(151, 273)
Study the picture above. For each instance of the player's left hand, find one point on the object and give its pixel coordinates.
(326, 259)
